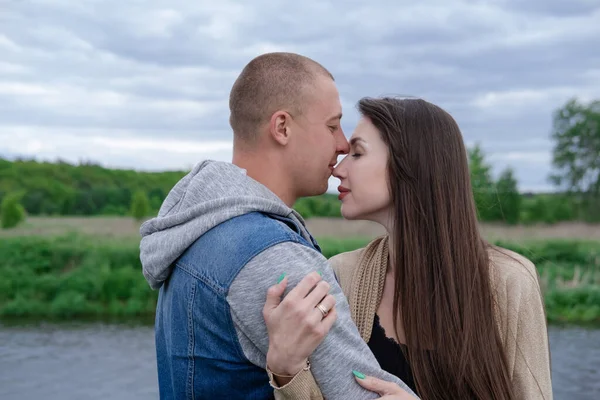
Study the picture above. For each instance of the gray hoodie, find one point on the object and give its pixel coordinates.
(214, 192)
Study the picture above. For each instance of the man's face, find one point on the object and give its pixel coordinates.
(318, 139)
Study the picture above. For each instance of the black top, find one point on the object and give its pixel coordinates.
(389, 354)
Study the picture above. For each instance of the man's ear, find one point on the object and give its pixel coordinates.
(280, 127)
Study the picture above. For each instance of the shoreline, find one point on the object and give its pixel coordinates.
(83, 278)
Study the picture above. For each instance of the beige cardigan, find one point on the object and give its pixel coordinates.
(519, 305)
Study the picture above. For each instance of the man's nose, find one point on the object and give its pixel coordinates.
(343, 147)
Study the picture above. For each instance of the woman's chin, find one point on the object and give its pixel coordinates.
(350, 214)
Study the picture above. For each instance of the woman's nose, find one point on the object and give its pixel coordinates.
(339, 170)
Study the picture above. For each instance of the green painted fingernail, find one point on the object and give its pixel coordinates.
(358, 375)
(280, 278)
(320, 273)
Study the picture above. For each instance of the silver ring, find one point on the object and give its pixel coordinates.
(323, 310)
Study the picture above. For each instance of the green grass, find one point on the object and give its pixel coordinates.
(79, 277)
(72, 276)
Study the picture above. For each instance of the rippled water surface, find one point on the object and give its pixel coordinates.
(103, 361)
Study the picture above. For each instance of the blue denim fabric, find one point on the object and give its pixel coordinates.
(198, 352)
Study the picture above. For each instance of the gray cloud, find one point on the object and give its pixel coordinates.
(551, 7)
(73, 72)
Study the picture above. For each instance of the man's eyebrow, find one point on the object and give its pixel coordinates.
(356, 139)
(338, 116)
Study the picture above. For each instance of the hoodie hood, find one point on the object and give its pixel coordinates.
(212, 193)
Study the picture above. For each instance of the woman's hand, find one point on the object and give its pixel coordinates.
(387, 390)
(295, 325)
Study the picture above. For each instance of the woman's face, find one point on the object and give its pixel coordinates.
(364, 191)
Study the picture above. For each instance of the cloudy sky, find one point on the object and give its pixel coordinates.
(144, 84)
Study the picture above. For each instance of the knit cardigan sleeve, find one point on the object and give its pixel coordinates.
(522, 324)
(302, 387)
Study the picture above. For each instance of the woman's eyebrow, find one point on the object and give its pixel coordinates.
(354, 140)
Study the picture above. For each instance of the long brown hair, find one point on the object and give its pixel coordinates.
(443, 294)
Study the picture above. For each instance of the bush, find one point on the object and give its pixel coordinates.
(140, 205)
(548, 208)
(75, 276)
(12, 212)
(72, 276)
(562, 207)
(326, 205)
(303, 210)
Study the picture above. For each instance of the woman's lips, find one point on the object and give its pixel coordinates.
(343, 192)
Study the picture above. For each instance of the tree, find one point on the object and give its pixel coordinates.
(576, 154)
(482, 183)
(509, 197)
(140, 205)
(12, 212)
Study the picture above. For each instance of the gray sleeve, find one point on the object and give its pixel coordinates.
(343, 349)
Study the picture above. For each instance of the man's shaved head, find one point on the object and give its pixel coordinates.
(269, 83)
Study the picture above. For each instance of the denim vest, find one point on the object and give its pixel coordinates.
(198, 352)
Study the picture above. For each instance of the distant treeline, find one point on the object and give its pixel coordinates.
(61, 188)
(64, 189)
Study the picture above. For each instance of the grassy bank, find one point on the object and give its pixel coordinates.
(76, 276)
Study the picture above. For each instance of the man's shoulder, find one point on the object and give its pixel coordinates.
(236, 241)
(222, 251)
(253, 228)
(250, 223)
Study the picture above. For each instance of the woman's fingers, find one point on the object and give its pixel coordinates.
(295, 327)
(274, 296)
(328, 303)
(316, 296)
(303, 288)
(329, 320)
(381, 387)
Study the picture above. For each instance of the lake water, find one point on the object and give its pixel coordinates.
(105, 361)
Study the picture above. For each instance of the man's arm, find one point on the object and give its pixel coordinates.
(342, 350)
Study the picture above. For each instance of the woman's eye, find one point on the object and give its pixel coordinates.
(356, 155)
(333, 128)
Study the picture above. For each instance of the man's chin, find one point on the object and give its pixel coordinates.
(316, 190)
(311, 193)
(322, 190)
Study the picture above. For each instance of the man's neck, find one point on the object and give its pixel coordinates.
(264, 169)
